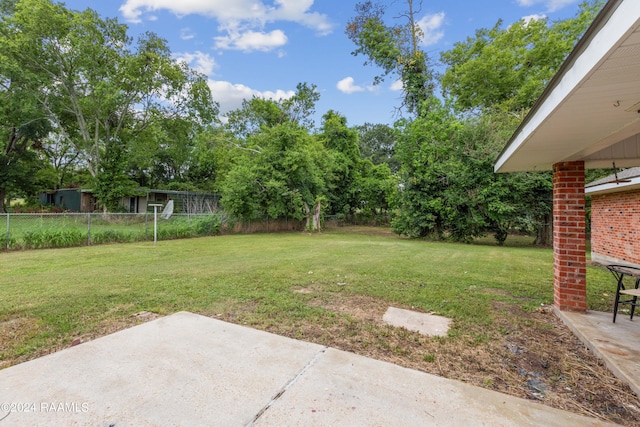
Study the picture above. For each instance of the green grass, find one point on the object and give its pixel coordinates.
(55, 295)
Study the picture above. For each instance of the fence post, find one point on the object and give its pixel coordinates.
(8, 231)
(88, 228)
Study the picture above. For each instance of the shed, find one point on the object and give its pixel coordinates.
(587, 117)
(83, 200)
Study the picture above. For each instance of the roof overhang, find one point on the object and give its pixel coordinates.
(613, 187)
(590, 111)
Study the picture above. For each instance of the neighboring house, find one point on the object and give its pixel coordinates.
(615, 218)
(69, 199)
(78, 200)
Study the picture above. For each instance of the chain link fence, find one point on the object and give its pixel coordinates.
(58, 230)
(50, 230)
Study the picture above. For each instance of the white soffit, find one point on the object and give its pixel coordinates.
(590, 111)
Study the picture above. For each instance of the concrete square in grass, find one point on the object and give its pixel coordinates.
(424, 323)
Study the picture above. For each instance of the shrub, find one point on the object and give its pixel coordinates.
(113, 236)
(175, 230)
(61, 238)
(208, 225)
(11, 244)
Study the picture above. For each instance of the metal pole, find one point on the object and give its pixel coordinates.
(155, 222)
(8, 231)
(155, 225)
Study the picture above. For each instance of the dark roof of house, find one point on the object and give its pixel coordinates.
(622, 174)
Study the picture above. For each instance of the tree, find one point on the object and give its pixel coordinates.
(448, 187)
(342, 145)
(508, 68)
(497, 76)
(211, 159)
(258, 113)
(425, 151)
(24, 122)
(278, 173)
(377, 143)
(375, 190)
(395, 49)
(98, 90)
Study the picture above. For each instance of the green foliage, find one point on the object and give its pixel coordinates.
(448, 187)
(377, 144)
(101, 94)
(259, 113)
(175, 230)
(115, 236)
(111, 183)
(7, 242)
(61, 238)
(395, 49)
(208, 225)
(279, 174)
(343, 173)
(507, 68)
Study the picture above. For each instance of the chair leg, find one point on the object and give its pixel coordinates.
(617, 302)
(633, 306)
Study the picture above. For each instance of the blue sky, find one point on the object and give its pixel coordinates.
(266, 47)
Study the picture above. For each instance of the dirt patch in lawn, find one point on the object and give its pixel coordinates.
(531, 354)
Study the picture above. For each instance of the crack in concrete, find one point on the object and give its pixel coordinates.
(287, 386)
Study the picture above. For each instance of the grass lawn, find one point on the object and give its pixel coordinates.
(64, 293)
(324, 288)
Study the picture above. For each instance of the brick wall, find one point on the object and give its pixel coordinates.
(615, 227)
(569, 237)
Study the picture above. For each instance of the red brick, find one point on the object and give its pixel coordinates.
(569, 236)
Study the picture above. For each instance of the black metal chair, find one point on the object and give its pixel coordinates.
(628, 292)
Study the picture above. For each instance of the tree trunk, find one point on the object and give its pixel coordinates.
(3, 195)
(544, 236)
(316, 217)
(313, 221)
(307, 214)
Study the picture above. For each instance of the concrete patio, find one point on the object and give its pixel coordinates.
(617, 344)
(191, 370)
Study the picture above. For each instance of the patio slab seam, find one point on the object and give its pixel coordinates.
(287, 386)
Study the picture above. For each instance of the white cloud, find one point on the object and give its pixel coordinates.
(199, 61)
(187, 34)
(251, 40)
(397, 86)
(297, 11)
(534, 17)
(431, 27)
(234, 12)
(551, 5)
(230, 96)
(348, 86)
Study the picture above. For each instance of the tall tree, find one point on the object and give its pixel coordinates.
(342, 145)
(507, 68)
(24, 123)
(377, 143)
(394, 48)
(98, 88)
(278, 172)
(258, 113)
(499, 74)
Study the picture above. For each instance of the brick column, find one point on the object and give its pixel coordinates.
(569, 237)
